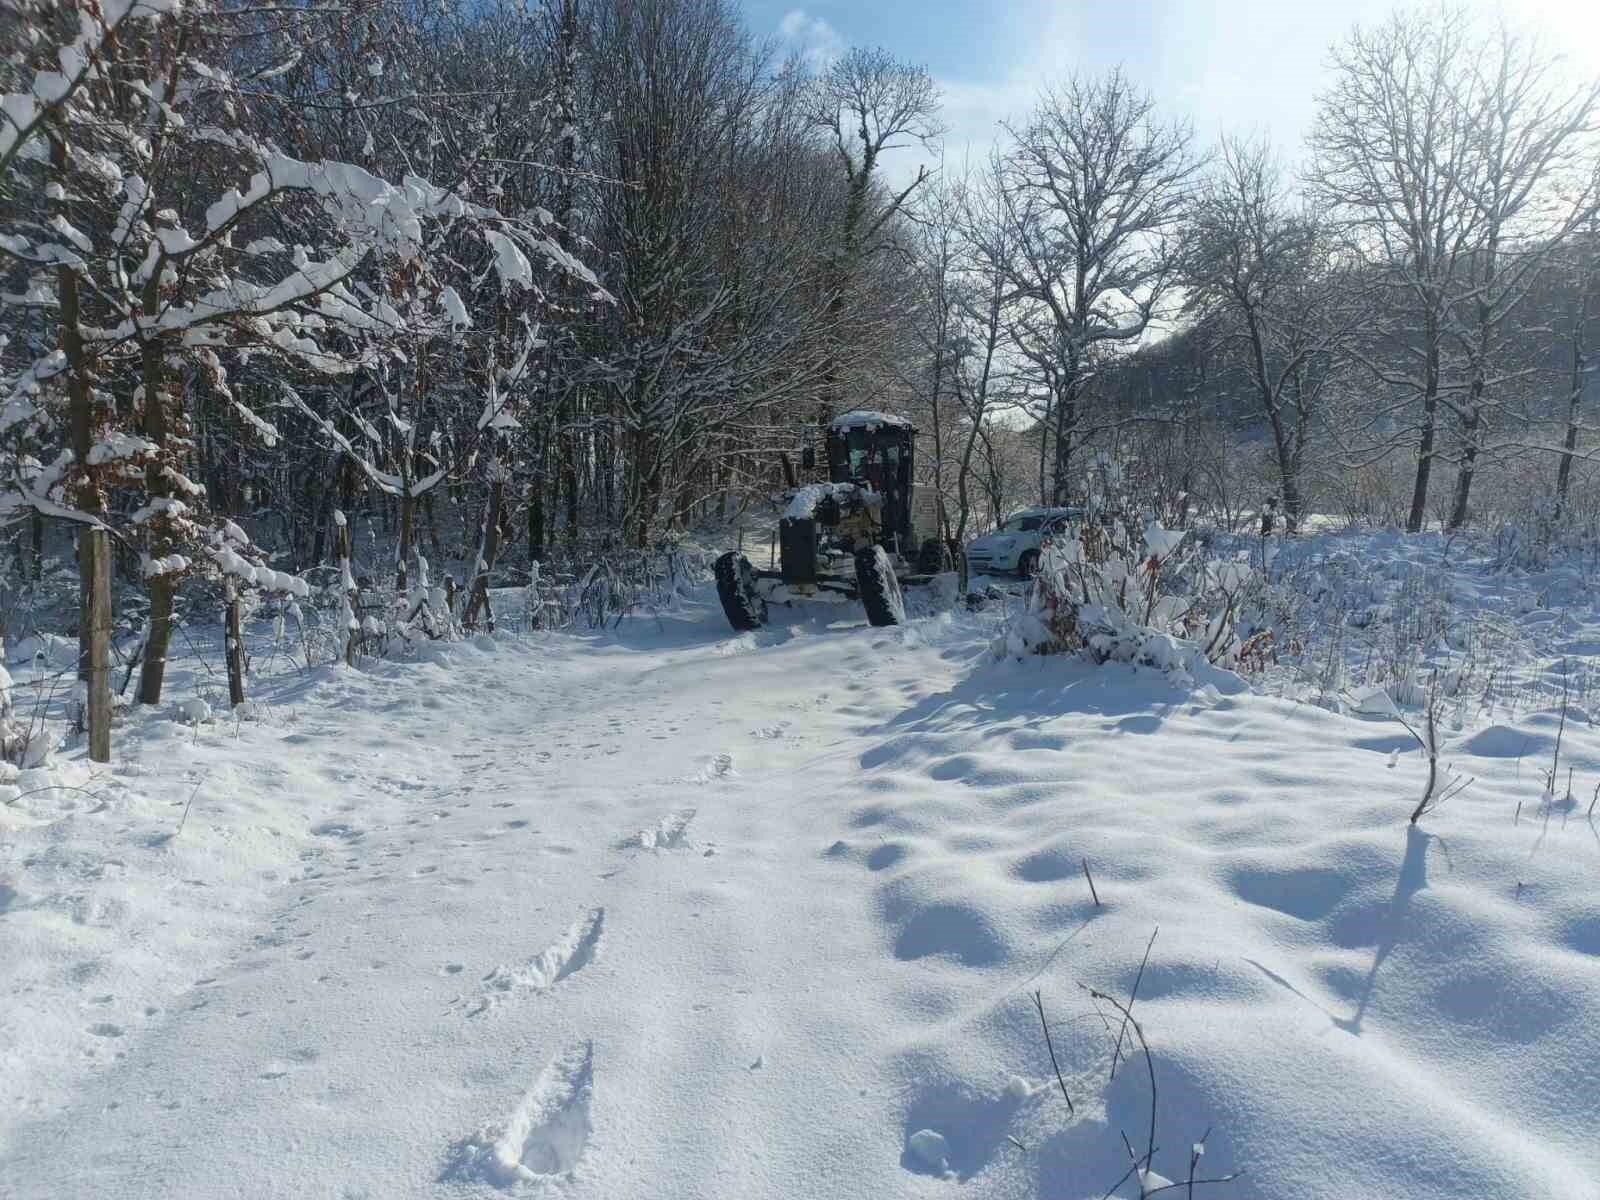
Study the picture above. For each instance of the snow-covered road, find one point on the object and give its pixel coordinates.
(550, 910)
(678, 914)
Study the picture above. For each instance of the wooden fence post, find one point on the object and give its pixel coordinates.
(94, 550)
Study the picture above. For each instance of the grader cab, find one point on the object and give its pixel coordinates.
(864, 534)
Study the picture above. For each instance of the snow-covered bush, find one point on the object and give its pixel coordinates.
(1162, 600)
(24, 741)
(616, 586)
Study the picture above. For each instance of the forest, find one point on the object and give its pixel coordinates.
(378, 307)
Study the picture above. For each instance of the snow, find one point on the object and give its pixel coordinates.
(869, 419)
(930, 1149)
(1159, 543)
(553, 913)
(114, 446)
(194, 710)
(509, 261)
(450, 300)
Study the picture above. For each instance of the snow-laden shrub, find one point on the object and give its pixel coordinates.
(1162, 600)
(25, 741)
(620, 584)
(381, 621)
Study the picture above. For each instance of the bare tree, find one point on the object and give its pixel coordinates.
(1527, 131)
(1095, 187)
(1392, 151)
(982, 374)
(1581, 262)
(867, 103)
(1264, 270)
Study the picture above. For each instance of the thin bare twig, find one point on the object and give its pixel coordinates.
(1038, 1002)
(1132, 996)
(1090, 878)
(1566, 691)
(1149, 1062)
(56, 787)
(190, 801)
(1195, 1152)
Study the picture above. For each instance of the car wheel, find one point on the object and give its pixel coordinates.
(1028, 563)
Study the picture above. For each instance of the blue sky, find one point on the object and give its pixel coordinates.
(1245, 66)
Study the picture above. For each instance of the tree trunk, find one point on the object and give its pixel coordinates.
(489, 548)
(1293, 502)
(157, 641)
(347, 583)
(235, 643)
(536, 550)
(321, 515)
(571, 399)
(162, 587)
(156, 487)
(1569, 444)
(1464, 473)
(408, 525)
(569, 481)
(1066, 418)
(80, 408)
(1578, 382)
(1044, 456)
(433, 526)
(1430, 408)
(1288, 472)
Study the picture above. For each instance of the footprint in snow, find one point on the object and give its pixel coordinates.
(543, 1138)
(561, 960)
(670, 833)
(718, 766)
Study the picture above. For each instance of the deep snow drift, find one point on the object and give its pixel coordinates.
(676, 913)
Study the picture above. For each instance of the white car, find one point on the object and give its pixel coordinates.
(1014, 547)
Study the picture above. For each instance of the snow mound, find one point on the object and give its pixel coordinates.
(930, 1149)
(1502, 741)
(46, 650)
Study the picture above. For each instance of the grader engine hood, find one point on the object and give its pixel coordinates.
(827, 503)
(821, 516)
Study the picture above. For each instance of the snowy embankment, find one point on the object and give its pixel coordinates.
(677, 913)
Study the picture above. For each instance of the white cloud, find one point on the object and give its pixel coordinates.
(1227, 66)
(813, 37)
(1046, 35)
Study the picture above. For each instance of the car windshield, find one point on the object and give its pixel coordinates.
(1021, 524)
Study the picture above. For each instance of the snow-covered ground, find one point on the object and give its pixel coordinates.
(669, 912)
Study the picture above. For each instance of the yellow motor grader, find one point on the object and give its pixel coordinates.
(864, 534)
